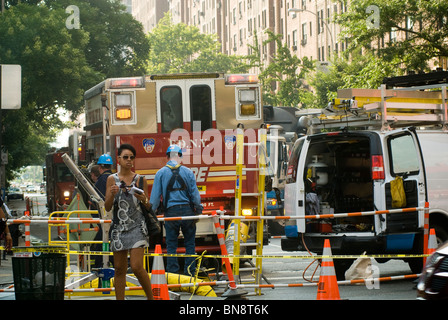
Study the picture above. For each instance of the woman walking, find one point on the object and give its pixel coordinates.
(128, 232)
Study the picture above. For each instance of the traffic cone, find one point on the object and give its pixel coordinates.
(328, 284)
(158, 279)
(432, 242)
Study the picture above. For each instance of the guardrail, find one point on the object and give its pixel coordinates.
(68, 220)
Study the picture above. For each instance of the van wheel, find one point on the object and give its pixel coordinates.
(416, 264)
(340, 266)
(441, 234)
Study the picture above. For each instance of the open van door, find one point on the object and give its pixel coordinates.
(295, 191)
(404, 187)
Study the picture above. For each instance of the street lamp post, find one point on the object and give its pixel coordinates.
(325, 23)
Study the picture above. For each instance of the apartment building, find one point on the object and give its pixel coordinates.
(306, 25)
(149, 12)
(127, 4)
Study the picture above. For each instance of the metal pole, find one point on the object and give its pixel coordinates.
(2, 166)
(95, 197)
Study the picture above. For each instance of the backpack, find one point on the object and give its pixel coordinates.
(175, 177)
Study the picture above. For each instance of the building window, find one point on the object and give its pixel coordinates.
(304, 34)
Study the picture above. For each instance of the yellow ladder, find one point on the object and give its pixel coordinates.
(262, 162)
(383, 108)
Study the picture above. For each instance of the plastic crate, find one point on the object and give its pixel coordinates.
(39, 276)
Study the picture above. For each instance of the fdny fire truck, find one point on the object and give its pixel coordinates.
(198, 112)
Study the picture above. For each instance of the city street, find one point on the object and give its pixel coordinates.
(319, 126)
(277, 271)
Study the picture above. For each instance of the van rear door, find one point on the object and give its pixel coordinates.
(404, 161)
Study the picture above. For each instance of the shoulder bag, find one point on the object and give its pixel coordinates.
(152, 223)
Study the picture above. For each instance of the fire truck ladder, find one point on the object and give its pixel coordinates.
(383, 108)
(262, 162)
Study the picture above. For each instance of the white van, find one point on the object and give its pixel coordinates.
(351, 171)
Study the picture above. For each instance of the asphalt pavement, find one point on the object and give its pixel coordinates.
(275, 271)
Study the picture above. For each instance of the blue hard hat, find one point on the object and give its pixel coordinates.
(105, 159)
(174, 148)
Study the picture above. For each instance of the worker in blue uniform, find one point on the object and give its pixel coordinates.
(175, 193)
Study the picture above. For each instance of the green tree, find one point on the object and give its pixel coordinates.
(59, 64)
(54, 69)
(177, 48)
(359, 71)
(420, 27)
(283, 79)
(117, 45)
(419, 36)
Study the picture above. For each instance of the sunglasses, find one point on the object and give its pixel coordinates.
(128, 157)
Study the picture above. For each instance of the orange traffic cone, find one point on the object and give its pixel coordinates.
(158, 280)
(432, 242)
(328, 284)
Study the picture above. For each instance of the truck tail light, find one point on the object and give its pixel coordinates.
(124, 109)
(378, 168)
(248, 110)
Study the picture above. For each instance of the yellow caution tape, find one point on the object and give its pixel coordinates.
(63, 250)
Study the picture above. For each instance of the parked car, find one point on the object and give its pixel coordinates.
(31, 188)
(433, 282)
(14, 193)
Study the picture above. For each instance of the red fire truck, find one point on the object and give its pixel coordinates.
(60, 182)
(200, 113)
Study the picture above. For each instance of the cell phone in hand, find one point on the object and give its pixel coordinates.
(136, 190)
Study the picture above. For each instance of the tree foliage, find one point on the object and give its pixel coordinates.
(177, 48)
(386, 38)
(117, 46)
(283, 78)
(59, 64)
(407, 34)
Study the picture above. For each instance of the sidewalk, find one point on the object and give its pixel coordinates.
(6, 277)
